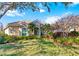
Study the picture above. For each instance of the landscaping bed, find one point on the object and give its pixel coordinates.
(35, 47)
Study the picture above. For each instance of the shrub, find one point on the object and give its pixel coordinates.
(74, 33)
(33, 37)
(17, 37)
(57, 35)
(8, 38)
(2, 33)
(76, 40)
(2, 40)
(24, 37)
(66, 40)
(50, 33)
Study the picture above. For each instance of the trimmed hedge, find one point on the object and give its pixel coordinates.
(7, 38)
(24, 37)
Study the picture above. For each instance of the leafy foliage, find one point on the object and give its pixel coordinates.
(21, 6)
(74, 33)
(37, 48)
(9, 39)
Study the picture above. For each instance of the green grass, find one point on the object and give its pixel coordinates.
(37, 47)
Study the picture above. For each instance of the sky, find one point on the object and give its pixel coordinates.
(57, 12)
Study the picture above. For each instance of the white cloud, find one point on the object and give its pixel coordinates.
(14, 13)
(66, 14)
(53, 19)
(42, 10)
(74, 3)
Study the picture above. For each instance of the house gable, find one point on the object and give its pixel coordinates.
(17, 28)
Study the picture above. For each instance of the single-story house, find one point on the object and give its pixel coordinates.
(19, 28)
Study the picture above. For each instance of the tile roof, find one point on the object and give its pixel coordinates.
(19, 23)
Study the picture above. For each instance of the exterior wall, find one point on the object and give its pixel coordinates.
(12, 31)
(16, 31)
(7, 31)
(77, 29)
(20, 31)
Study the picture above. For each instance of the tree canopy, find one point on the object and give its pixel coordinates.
(5, 6)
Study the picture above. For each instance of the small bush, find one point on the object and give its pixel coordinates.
(66, 40)
(2, 33)
(76, 40)
(18, 38)
(2, 40)
(73, 33)
(50, 33)
(8, 38)
(33, 37)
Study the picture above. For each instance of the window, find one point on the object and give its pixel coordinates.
(12, 30)
(24, 31)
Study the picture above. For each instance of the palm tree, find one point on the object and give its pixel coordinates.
(5, 6)
(32, 27)
(1, 26)
(47, 29)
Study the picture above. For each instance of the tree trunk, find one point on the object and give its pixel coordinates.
(6, 10)
(39, 32)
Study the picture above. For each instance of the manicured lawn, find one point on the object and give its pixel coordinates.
(37, 47)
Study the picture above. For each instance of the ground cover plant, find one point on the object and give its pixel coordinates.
(41, 46)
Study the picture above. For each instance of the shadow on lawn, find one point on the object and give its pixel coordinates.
(46, 42)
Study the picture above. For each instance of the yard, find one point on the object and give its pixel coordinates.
(37, 47)
(39, 34)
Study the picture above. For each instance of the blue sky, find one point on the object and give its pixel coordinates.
(57, 11)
